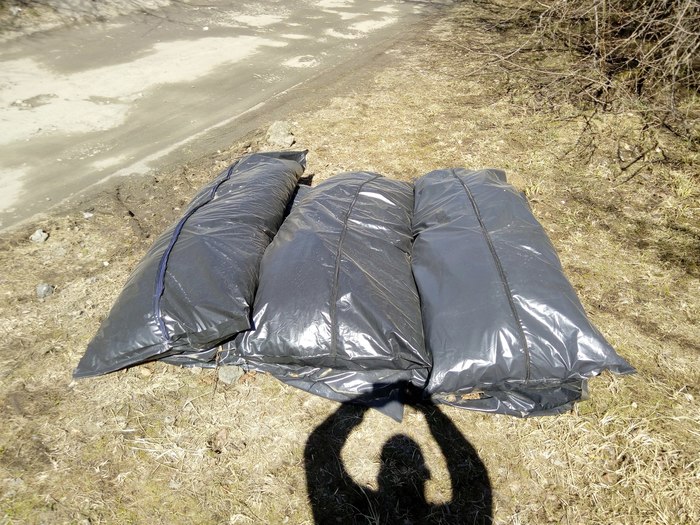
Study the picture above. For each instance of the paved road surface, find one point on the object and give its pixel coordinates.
(81, 104)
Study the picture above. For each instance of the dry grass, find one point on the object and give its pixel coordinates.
(157, 444)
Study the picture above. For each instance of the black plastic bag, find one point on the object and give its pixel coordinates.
(194, 288)
(337, 309)
(210, 358)
(504, 326)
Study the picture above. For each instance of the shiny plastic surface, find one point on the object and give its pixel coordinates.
(210, 358)
(194, 287)
(504, 326)
(336, 291)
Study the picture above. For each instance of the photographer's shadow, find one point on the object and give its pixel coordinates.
(400, 498)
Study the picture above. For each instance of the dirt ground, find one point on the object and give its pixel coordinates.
(159, 444)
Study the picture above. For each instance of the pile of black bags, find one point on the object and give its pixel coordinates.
(362, 284)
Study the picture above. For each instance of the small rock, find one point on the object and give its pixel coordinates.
(230, 374)
(280, 135)
(39, 236)
(87, 214)
(43, 290)
(611, 478)
(217, 442)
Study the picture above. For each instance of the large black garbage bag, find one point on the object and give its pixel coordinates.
(195, 286)
(337, 310)
(211, 357)
(505, 328)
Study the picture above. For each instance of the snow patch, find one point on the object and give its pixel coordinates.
(334, 4)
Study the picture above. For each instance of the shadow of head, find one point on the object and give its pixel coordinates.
(400, 496)
(403, 472)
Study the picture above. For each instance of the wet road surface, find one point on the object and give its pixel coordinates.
(79, 105)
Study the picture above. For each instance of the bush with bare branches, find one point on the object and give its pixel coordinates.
(647, 48)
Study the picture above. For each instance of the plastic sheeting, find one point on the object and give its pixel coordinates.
(195, 286)
(505, 328)
(337, 310)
